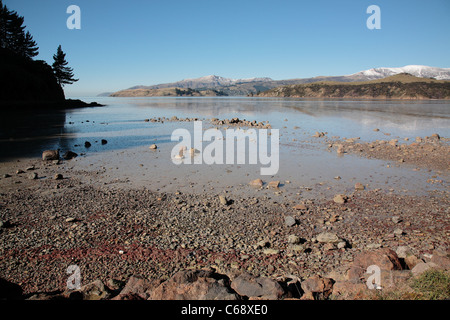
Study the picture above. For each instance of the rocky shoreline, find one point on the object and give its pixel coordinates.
(51, 219)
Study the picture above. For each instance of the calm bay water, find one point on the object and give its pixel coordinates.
(305, 162)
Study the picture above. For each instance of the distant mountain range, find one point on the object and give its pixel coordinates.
(399, 86)
(216, 85)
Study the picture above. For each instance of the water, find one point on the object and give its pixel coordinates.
(307, 168)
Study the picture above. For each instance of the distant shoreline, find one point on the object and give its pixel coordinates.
(48, 105)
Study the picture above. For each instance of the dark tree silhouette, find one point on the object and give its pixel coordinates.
(13, 35)
(64, 75)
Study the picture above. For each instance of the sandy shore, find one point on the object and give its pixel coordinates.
(114, 232)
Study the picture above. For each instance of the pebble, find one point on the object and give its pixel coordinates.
(223, 200)
(256, 183)
(289, 221)
(340, 199)
(33, 176)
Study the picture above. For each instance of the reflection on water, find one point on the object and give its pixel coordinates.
(121, 121)
(27, 133)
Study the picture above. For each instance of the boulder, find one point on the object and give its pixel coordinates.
(137, 288)
(69, 155)
(349, 290)
(384, 258)
(422, 267)
(153, 147)
(9, 290)
(442, 261)
(261, 287)
(95, 290)
(194, 285)
(50, 155)
(317, 287)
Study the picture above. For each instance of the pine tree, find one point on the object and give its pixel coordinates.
(64, 75)
(3, 22)
(13, 35)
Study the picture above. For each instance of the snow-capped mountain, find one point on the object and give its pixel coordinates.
(415, 70)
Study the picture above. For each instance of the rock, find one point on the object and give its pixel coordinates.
(50, 155)
(6, 175)
(384, 258)
(87, 144)
(9, 290)
(273, 184)
(320, 288)
(293, 239)
(300, 207)
(347, 290)
(328, 237)
(71, 219)
(297, 248)
(95, 290)
(411, 261)
(33, 176)
(58, 176)
(403, 251)
(396, 219)
(442, 261)
(104, 141)
(340, 199)
(194, 285)
(359, 186)
(376, 129)
(262, 244)
(340, 149)
(421, 267)
(270, 251)
(223, 200)
(436, 136)
(398, 232)
(137, 288)
(153, 147)
(261, 287)
(319, 134)
(256, 183)
(393, 142)
(289, 221)
(68, 155)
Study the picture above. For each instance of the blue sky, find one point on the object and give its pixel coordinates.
(126, 43)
